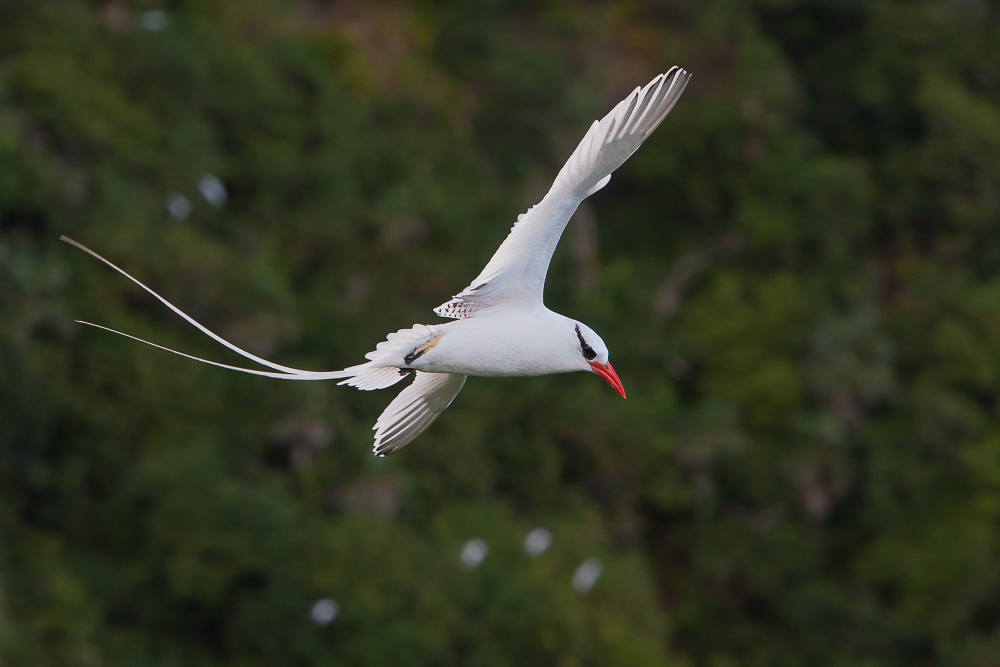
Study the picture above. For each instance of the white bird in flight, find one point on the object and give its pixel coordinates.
(502, 328)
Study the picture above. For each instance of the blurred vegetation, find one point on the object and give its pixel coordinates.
(798, 276)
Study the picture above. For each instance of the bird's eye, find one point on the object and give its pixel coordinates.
(588, 352)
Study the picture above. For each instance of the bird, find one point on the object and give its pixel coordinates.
(501, 326)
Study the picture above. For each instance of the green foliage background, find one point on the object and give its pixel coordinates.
(797, 276)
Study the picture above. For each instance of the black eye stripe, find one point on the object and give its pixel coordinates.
(588, 352)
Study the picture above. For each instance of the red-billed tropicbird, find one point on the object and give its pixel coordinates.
(502, 327)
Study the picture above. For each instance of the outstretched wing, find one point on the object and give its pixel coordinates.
(414, 410)
(516, 273)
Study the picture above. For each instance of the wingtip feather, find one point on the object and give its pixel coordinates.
(622, 131)
(414, 409)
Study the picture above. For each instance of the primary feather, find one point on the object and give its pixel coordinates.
(415, 409)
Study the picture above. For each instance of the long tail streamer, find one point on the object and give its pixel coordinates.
(283, 372)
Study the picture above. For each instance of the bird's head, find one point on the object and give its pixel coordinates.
(594, 352)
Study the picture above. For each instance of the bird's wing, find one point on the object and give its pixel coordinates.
(414, 410)
(516, 273)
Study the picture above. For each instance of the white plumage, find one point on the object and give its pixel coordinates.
(501, 325)
(414, 409)
(516, 272)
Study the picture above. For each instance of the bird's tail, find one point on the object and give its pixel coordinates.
(398, 350)
(278, 371)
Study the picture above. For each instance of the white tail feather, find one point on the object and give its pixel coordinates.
(300, 375)
(285, 372)
(367, 377)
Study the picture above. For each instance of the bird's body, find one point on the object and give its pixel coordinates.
(509, 342)
(502, 327)
(528, 342)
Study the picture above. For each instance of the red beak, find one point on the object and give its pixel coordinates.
(609, 375)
